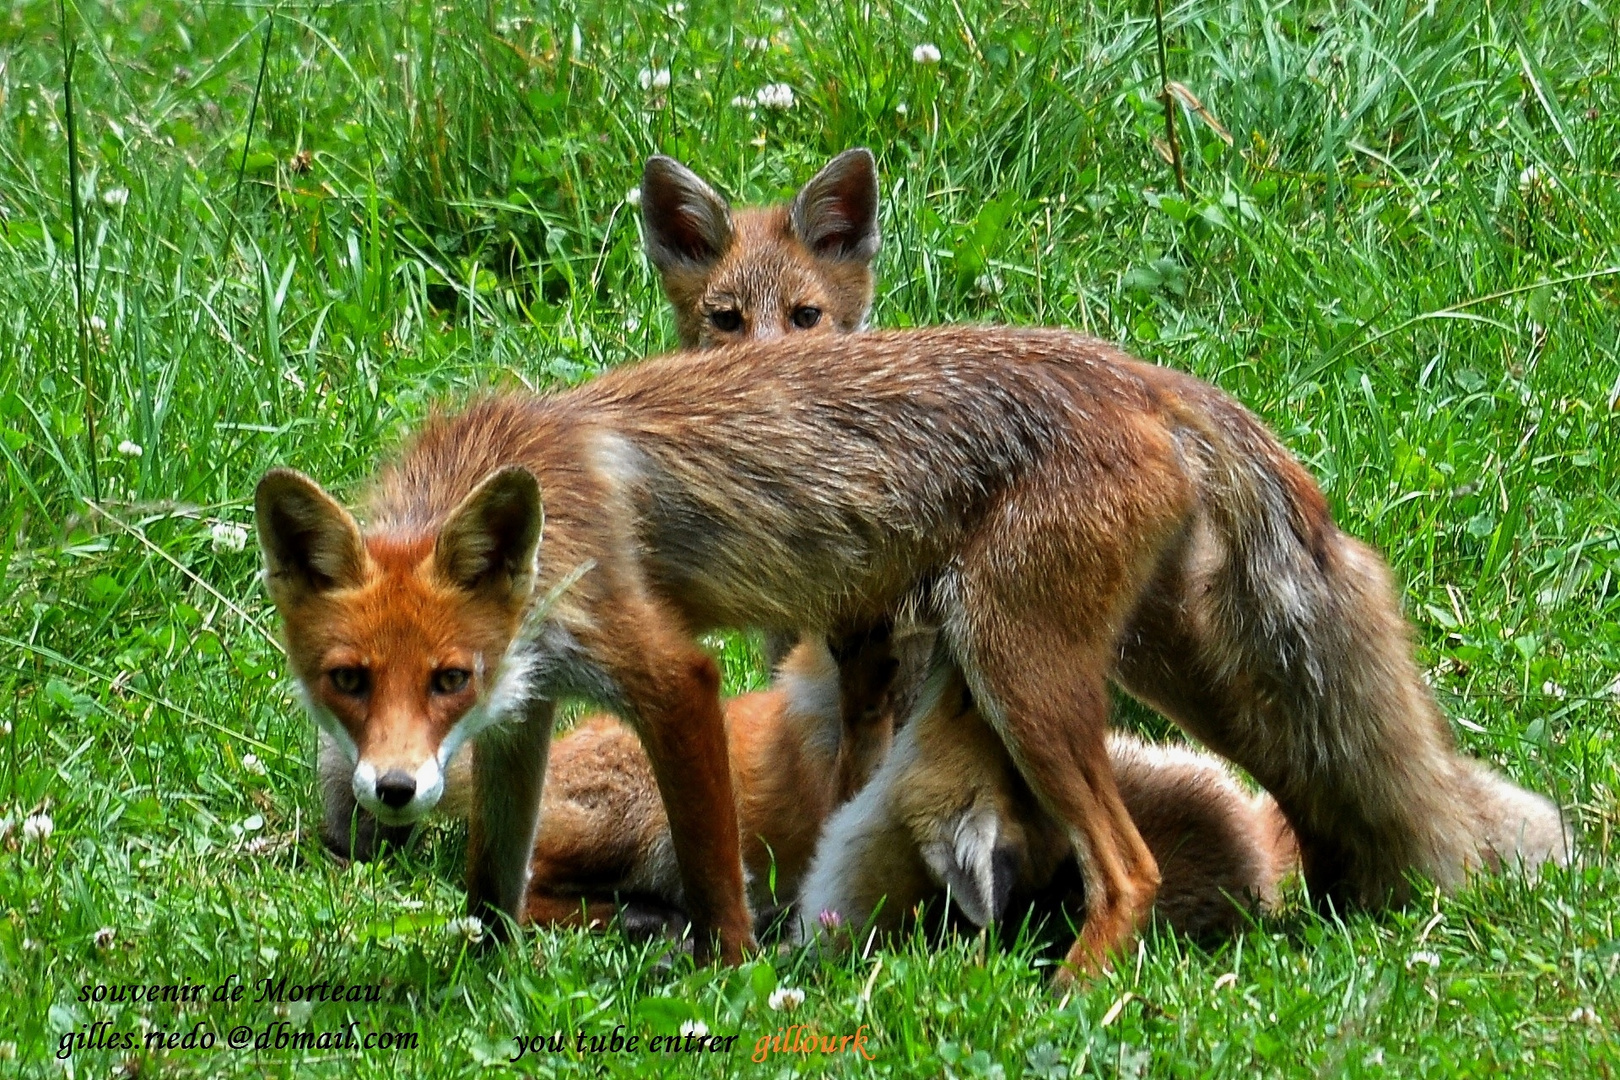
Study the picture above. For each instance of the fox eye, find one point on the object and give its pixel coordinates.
(726, 320)
(452, 680)
(350, 681)
(805, 317)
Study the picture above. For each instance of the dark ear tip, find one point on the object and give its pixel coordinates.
(280, 480)
(515, 478)
(661, 166)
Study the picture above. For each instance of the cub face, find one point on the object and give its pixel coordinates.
(402, 646)
(757, 273)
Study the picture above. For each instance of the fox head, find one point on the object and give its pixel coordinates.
(762, 272)
(399, 643)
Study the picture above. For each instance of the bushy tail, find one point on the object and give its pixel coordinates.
(1285, 650)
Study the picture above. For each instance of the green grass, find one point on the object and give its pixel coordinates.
(1404, 260)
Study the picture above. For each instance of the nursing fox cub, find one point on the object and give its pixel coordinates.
(1060, 513)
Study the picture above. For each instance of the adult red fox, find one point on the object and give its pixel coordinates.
(1059, 511)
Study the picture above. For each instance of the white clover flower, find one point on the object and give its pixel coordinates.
(633, 197)
(654, 78)
(1423, 956)
(901, 109)
(742, 101)
(130, 449)
(37, 828)
(1585, 1015)
(756, 44)
(1531, 179)
(785, 997)
(470, 927)
(98, 324)
(252, 764)
(830, 920)
(104, 937)
(228, 537)
(775, 96)
(926, 53)
(695, 1027)
(115, 197)
(1553, 690)
(5, 727)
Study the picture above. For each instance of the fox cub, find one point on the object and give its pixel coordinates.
(947, 810)
(795, 755)
(1060, 513)
(763, 272)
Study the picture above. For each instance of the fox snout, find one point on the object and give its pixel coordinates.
(398, 794)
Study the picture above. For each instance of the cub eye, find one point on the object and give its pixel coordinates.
(350, 681)
(726, 320)
(451, 680)
(806, 317)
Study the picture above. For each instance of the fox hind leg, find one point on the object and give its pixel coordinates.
(1031, 614)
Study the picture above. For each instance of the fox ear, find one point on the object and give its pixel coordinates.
(836, 213)
(970, 861)
(491, 540)
(686, 221)
(310, 543)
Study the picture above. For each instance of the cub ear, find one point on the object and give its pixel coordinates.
(687, 223)
(490, 542)
(836, 213)
(310, 543)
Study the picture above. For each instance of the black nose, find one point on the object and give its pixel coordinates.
(395, 788)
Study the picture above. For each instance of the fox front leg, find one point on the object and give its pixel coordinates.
(672, 692)
(509, 769)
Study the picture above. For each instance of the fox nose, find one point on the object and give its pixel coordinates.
(395, 788)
